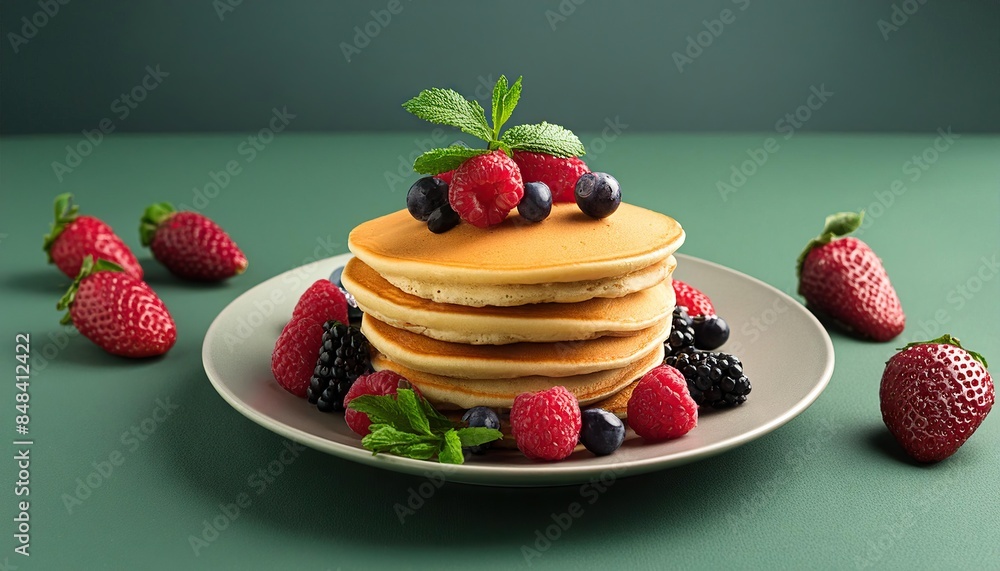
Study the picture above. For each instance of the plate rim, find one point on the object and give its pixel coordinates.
(521, 475)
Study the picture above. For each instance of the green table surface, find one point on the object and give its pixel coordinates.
(830, 489)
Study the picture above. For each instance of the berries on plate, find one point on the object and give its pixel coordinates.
(343, 357)
(74, 237)
(485, 189)
(714, 379)
(443, 218)
(710, 332)
(446, 176)
(323, 301)
(660, 407)
(536, 205)
(558, 173)
(481, 416)
(119, 313)
(598, 194)
(378, 383)
(843, 278)
(190, 245)
(601, 432)
(934, 395)
(681, 332)
(696, 302)
(294, 357)
(546, 424)
(425, 196)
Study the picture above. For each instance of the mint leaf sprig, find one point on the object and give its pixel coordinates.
(408, 425)
(448, 107)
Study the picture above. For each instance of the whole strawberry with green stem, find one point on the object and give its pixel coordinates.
(190, 244)
(118, 312)
(840, 276)
(486, 184)
(934, 395)
(74, 237)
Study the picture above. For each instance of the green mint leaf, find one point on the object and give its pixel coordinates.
(385, 438)
(510, 100)
(382, 409)
(499, 91)
(448, 107)
(437, 161)
(478, 435)
(407, 401)
(451, 449)
(544, 138)
(439, 422)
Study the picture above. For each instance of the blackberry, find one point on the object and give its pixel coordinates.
(713, 379)
(681, 332)
(343, 358)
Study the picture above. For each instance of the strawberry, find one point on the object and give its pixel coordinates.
(559, 173)
(446, 176)
(485, 189)
(323, 301)
(118, 312)
(74, 237)
(843, 278)
(190, 245)
(696, 302)
(295, 353)
(934, 395)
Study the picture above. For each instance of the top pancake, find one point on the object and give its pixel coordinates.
(568, 246)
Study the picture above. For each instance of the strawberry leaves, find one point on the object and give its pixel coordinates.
(448, 107)
(407, 425)
(837, 226)
(947, 339)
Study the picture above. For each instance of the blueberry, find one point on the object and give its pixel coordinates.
(536, 204)
(481, 416)
(443, 219)
(336, 276)
(598, 194)
(710, 332)
(425, 196)
(601, 432)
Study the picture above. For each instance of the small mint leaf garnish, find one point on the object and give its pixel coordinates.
(448, 107)
(504, 101)
(407, 401)
(437, 161)
(407, 425)
(543, 138)
(451, 449)
(478, 435)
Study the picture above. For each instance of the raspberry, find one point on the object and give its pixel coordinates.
(660, 407)
(295, 352)
(696, 302)
(546, 424)
(323, 301)
(380, 383)
(560, 174)
(446, 176)
(485, 189)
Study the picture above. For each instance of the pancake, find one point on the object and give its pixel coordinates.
(450, 393)
(617, 404)
(568, 246)
(480, 295)
(558, 359)
(491, 325)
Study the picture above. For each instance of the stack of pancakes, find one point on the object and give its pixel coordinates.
(474, 317)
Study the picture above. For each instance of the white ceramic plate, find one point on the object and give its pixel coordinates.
(766, 325)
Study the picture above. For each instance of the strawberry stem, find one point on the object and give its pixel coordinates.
(87, 268)
(837, 226)
(151, 219)
(947, 339)
(65, 213)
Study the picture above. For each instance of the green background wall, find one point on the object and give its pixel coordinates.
(584, 61)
